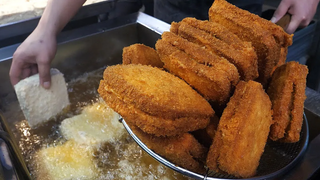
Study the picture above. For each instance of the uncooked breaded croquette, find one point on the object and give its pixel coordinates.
(156, 101)
(242, 131)
(183, 150)
(212, 76)
(287, 94)
(69, 160)
(250, 28)
(141, 54)
(246, 63)
(96, 124)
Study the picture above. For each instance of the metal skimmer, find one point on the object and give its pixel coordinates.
(277, 159)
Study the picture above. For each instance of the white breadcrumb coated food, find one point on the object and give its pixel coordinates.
(96, 124)
(67, 161)
(39, 104)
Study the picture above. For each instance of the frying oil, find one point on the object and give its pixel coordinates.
(49, 154)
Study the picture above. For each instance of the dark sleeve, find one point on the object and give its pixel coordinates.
(176, 10)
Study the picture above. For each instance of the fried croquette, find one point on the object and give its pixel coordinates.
(287, 94)
(222, 33)
(282, 60)
(262, 34)
(242, 131)
(174, 27)
(183, 150)
(205, 136)
(156, 101)
(212, 76)
(141, 54)
(203, 56)
(283, 56)
(246, 63)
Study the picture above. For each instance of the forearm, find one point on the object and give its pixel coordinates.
(57, 14)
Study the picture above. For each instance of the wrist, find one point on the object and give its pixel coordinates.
(46, 27)
(43, 34)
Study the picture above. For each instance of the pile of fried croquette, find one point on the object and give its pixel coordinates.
(211, 92)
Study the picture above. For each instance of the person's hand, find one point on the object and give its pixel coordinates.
(33, 56)
(36, 52)
(302, 12)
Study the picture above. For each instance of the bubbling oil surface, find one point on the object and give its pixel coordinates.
(120, 159)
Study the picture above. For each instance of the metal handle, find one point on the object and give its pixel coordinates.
(284, 21)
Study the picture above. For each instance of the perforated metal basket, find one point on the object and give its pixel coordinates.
(277, 159)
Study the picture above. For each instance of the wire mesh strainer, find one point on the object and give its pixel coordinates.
(277, 159)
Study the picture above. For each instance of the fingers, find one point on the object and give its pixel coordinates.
(34, 69)
(22, 67)
(26, 72)
(280, 11)
(18, 72)
(293, 25)
(44, 73)
(15, 72)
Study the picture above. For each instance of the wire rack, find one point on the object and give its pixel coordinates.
(277, 159)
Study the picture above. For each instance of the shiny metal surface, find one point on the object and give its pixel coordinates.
(13, 163)
(7, 171)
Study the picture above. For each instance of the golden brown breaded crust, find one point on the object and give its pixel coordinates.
(283, 56)
(242, 131)
(141, 54)
(287, 94)
(220, 32)
(248, 28)
(282, 60)
(212, 76)
(246, 64)
(281, 37)
(156, 125)
(203, 56)
(154, 100)
(212, 86)
(174, 27)
(155, 91)
(183, 150)
(205, 136)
